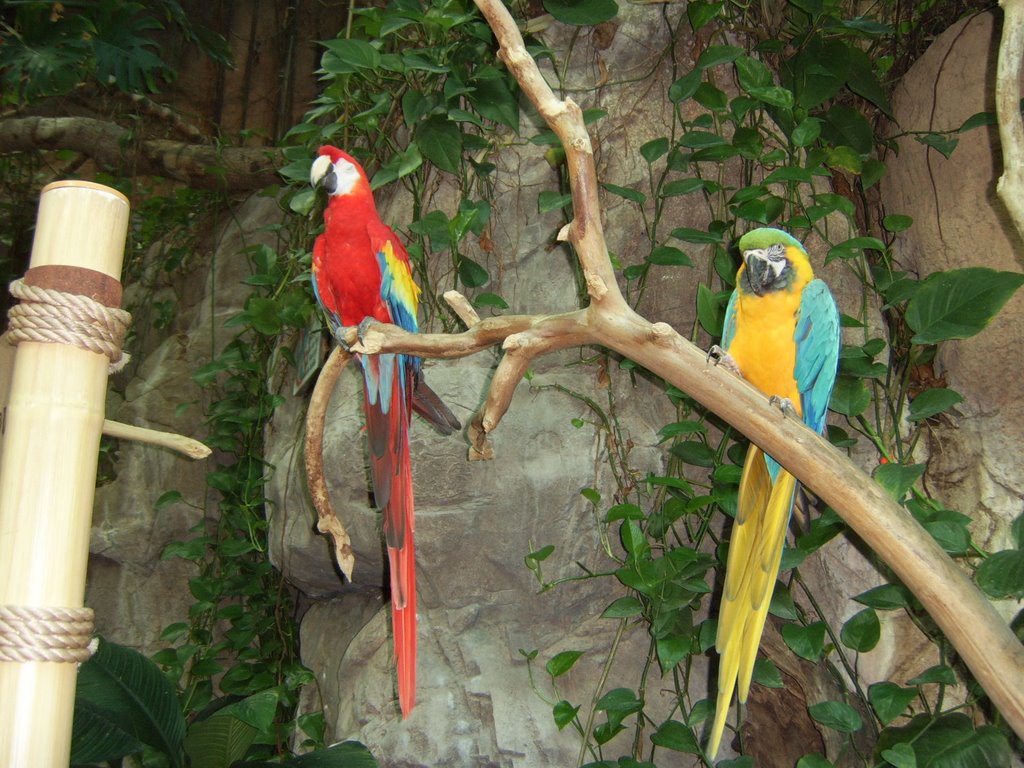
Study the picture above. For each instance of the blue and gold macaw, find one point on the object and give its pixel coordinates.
(782, 335)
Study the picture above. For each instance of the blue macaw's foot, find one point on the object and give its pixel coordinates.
(724, 359)
(785, 405)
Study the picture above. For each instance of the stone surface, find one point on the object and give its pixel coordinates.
(128, 533)
(972, 453)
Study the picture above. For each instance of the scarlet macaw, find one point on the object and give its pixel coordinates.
(361, 273)
(782, 335)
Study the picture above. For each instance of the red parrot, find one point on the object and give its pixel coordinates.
(361, 274)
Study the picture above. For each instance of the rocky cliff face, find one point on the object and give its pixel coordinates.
(476, 521)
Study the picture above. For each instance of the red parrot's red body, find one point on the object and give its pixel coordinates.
(361, 271)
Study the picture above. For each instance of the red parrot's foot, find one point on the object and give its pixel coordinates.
(724, 359)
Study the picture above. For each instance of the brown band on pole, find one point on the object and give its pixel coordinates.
(77, 280)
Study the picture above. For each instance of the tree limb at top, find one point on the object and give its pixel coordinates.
(115, 149)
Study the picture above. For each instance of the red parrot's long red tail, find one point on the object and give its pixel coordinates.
(403, 620)
(388, 395)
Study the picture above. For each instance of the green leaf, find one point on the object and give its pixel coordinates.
(896, 222)
(933, 401)
(897, 479)
(562, 662)
(219, 741)
(348, 754)
(813, 760)
(950, 741)
(688, 235)
(671, 649)
(667, 256)
(1017, 531)
(653, 149)
(887, 597)
(685, 86)
(806, 642)
(694, 453)
(711, 309)
(675, 736)
(701, 13)
(440, 141)
(940, 142)
(718, 54)
(806, 133)
(564, 713)
(978, 120)
(767, 674)
(682, 187)
(345, 56)
(472, 274)
(861, 79)
(1002, 575)
(623, 608)
(127, 695)
(633, 195)
(890, 700)
(862, 631)
(836, 715)
(938, 674)
(850, 397)
(489, 300)
(900, 756)
(678, 428)
(549, 200)
(701, 139)
(582, 13)
(959, 303)
(493, 99)
(773, 95)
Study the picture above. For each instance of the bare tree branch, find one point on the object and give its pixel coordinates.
(115, 148)
(969, 621)
(1011, 126)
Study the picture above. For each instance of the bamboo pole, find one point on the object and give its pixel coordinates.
(48, 466)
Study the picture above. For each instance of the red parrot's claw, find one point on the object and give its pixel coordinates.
(785, 405)
(364, 326)
(724, 359)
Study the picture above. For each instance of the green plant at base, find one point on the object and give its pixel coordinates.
(124, 706)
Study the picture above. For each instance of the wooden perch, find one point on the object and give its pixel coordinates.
(184, 445)
(969, 621)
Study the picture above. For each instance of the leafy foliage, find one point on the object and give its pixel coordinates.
(50, 48)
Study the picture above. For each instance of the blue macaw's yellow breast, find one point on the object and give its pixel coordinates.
(764, 346)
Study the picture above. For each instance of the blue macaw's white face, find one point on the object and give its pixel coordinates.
(338, 178)
(768, 269)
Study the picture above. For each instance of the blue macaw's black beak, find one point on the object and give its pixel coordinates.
(759, 273)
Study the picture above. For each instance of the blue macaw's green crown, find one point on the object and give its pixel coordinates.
(766, 236)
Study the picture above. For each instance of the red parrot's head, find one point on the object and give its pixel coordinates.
(339, 173)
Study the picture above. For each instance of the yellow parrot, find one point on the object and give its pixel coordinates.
(782, 335)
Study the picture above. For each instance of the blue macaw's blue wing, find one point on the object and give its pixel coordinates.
(729, 326)
(817, 352)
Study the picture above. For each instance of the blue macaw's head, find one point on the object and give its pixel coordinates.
(768, 261)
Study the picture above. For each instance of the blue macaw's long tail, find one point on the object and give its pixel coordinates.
(755, 553)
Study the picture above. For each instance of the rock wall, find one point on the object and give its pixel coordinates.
(972, 455)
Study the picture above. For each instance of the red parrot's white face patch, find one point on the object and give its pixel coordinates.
(338, 178)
